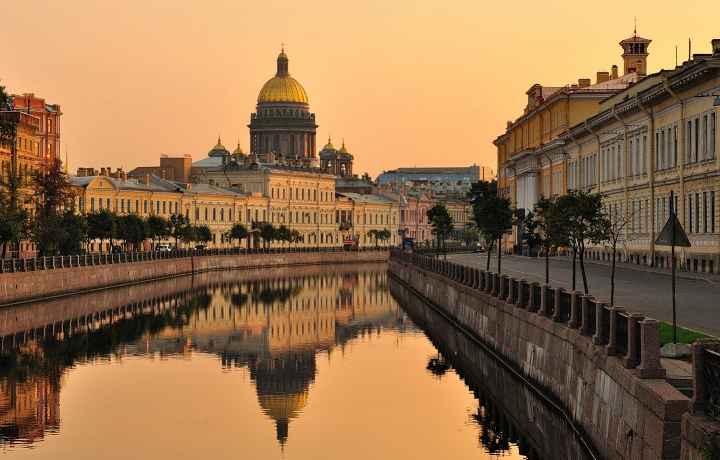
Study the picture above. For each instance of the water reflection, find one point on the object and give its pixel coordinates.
(509, 413)
(273, 327)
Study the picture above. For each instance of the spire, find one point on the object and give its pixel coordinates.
(282, 63)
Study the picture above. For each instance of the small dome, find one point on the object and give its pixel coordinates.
(219, 149)
(344, 149)
(219, 145)
(238, 150)
(329, 145)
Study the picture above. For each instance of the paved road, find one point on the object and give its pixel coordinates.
(638, 289)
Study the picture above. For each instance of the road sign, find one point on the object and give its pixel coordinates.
(665, 238)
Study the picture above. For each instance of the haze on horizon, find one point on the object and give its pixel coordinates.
(404, 83)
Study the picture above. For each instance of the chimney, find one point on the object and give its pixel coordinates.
(162, 173)
(614, 72)
(124, 175)
(145, 179)
(82, 172)
(583, 82)
(716, 47)
(602, 77)
(102, 171)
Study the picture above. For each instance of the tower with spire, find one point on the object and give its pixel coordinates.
(635, 54)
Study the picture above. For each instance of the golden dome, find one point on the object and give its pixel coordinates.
(343, 149)
(282, 87)
(238, 150)
(329, 145)
(219, 145)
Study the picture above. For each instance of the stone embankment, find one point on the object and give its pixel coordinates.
(21, 286)
(598, 364)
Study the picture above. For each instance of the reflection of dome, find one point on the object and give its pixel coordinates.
(282, 87)
(282, 408)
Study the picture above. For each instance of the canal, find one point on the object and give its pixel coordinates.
(311, 363)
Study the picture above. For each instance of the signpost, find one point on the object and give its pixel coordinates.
(673, 235)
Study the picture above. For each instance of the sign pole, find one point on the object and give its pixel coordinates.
(672, 254)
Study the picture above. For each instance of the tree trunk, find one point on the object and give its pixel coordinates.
(573, 278)
(547, 265)
(582, 271)
(489, 250)
(612, 276)
(499, 253)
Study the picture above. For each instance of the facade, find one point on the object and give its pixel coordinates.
(47, 137)
(428, 177)
(650, 140)
(531, 156)
(171, 168)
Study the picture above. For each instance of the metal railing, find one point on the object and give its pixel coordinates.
(622, 334)
(565, 306)
(592, 317)
(550, 302)
(711, 376)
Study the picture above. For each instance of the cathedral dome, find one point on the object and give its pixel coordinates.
(329, 145)
(344, 149)
(282, 87)
(219, 150)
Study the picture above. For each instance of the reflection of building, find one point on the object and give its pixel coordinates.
(28, 410)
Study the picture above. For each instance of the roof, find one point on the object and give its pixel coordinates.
(366, 198)
(449, 170)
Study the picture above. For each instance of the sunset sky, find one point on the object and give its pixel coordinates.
(405, 83)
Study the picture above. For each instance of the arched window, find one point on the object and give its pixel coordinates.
(206, 213)
(214, 214)
(222, 215)
(197, 213)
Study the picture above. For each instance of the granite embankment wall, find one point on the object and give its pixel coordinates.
(31, 285)
(622, 415)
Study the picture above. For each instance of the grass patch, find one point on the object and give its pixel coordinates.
(683, 335)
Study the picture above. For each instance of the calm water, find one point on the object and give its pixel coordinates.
(311, 363)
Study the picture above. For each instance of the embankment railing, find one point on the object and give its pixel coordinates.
(631, 337)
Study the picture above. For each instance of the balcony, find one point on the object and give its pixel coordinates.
(346, 225)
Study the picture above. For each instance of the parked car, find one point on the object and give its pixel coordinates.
(479, 248)
(117, 249)
(200, 246)
(162, 247)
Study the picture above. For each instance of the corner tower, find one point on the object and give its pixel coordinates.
(282, 123)
(635, 54)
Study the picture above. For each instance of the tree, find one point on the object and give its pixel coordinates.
(204, 234)
(267, 233)
(296, 237)
(188, 234)
(102, 225)
(283, 234)
(492, 215)
(471, 237)
(550, 227)
(384, 235)
(157, 227)
(585, 223)
(74, 228)
(615, 226)
(54, 194)
(442, 225)
(237, 232)
(133, 229)
(176, 223)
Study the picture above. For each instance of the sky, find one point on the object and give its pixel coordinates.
(403, 83)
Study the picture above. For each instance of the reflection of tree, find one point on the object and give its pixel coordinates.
(438, 366)
(493, 435)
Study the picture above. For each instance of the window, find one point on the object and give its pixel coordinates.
(145, 206)
(688, 142)
(49, 125)
(704, 136)
(713, 137)
(108, 203)
(92, 203)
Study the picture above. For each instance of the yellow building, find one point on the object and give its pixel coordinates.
(653, 138)
(531, 159)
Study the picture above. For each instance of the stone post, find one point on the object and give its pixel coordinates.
(502, 295)
(476, 278)
(584, 324)
(700, 391)
(495, 281)
(557, 317)
(521, 294)
(512, 293)
(481, 286)
(598, 338)
(532, 305)
(575, 309)
(611, 347)
(633, 355)
(543, 299)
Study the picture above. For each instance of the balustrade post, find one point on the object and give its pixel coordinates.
(502, 295)
(478, 279)
(544, 299)
(521, 294)
(557, 312)
(576, 313)
(611, 347)
(512, 293)
(633, 355)
(700, 390)
(532, 305)
(495, 281)
(585, 314)
(598, 337)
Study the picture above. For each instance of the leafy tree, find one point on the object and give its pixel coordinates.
(585, 223)
(296, 237)
(188, 234)
(268, 233)
(442, 225)
(471, 237)
(54, 194)
(176, 223)
(492, 215)
(204, 234)
(384, 235)
(550, 223)
(283, 233)
(133, 229)
(157, 228)
(237, 232)
(372, 233)
(615, 226)
(74, 232)
(102, 225)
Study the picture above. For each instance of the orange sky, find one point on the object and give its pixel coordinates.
(405, 83)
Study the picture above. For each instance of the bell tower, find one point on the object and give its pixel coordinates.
(635, 54)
